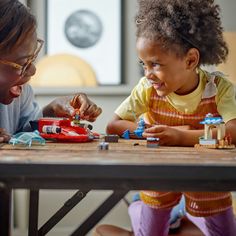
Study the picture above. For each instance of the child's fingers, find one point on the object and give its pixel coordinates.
(155, 129)
(148, 126)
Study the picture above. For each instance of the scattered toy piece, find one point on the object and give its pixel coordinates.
(27, 138)
(111, 138)
(103, 146)
(152, 142)
(126, 134)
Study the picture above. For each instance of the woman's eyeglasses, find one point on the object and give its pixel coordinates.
(23, 68)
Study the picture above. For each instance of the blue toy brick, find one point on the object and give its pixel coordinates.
(126, 134)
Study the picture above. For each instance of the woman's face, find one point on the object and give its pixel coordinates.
(12, 79)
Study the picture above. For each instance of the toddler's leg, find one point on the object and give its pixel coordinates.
(223, 224)
(147, 221)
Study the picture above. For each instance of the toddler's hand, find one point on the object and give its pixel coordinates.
(168, 136)
(4, 136)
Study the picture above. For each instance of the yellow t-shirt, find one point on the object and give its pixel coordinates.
(138, 102)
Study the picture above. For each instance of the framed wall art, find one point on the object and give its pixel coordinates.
(90, 30)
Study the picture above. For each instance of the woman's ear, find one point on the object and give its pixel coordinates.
(192, 59)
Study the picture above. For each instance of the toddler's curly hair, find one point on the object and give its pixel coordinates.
(183, 24)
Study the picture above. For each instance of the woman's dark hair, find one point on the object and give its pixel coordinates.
(183, 24)
(16, 23)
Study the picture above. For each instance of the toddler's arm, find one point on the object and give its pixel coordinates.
(118, 126)
(231, 130)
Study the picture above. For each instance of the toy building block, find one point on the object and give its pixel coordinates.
(152, 142)
(138, 133)
(126, 134)
(103, 146)
(222, 140)
(111, 138)
(51, 129)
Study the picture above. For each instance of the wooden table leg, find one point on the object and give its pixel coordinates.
(99, 213)
(33, 212)
(5, 210)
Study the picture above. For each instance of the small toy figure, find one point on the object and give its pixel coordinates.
(27, 138)
(222, 141)
(76, 118)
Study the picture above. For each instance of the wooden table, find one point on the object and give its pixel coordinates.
(125, 166)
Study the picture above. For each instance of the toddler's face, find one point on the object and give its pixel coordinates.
(12, 78)
(166, 72)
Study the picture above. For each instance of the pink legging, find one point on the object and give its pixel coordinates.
(147, 221)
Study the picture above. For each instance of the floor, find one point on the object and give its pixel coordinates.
(187, 229)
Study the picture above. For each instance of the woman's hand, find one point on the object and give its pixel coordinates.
(68, 106)
(4, 136)
(87, 109)
(168, 136)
